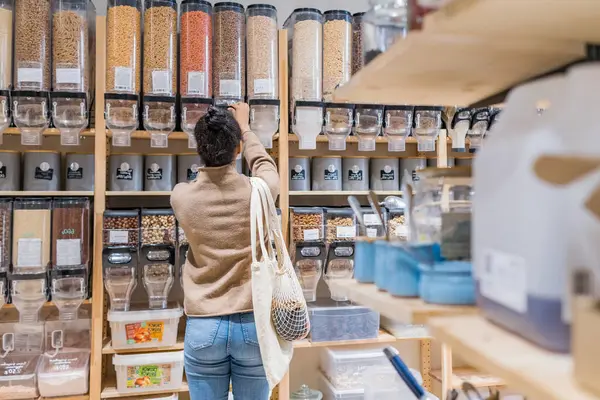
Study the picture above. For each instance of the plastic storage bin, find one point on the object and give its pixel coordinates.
(326, 173)
(79, 172)
(125, 172)
(229, 53)
(340, 225)
(17, 377)
(41, 171)
(196, 49)
(355, 173)
(299, 173)
(144, 328)
(139, 373)
(402, 274)
(10, 168)
(345, 368)
(331, 393)
(449, 282)
(159, 172)
(385, 174)
(364, 258)
(64, 375)
(332, 323)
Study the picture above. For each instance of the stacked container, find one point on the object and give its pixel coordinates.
(196, 44)
(123, 66)
(305, 33)
(229, 53)
(6, 56)
(31, 78)
(71, 67)
(337, 45)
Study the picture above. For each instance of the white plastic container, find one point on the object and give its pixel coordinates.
(386, 384)
(144, 328)
(139, 373)
(331, 393)
(66, 374)
(345, 368)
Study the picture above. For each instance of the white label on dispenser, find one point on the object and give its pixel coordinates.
(371, 219)
(123, 78)
(118, 236)
(68, 75)
(262, 86)
(400, 231)
(230, 88)
(29, 253)
(161, 82)
(68, 252)
(371, 232)
(196, 83)
(503, 279)
(346, 232)
(311, 234)
(30, 75)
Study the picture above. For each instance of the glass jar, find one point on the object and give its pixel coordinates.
(160, 48)
(307, 123)
(383, 24)
(192, 109)
(398, 126)
(357, 43)
(229, 53)
(123, 46)
(264, 119)
(121, 114)
(196, 49)
(159, 119)
(337, 45)
(427, 125)
(339, 119)
(479, 126)
(262, 51)
(31, 235)
(369, 119)
(6, 43)
(441, 211)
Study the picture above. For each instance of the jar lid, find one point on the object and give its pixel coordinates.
(68, 95)
(306, 393)
(264, 102)
(228, 5)
(340, 105)
(121, 96)
(198, 2)
(338, 15)
(261, 6)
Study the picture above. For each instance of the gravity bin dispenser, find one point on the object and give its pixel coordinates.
(309, 262)
(192, 109)
(368, 123)
(339, 119)
(264, 119)
(340, 265)
(398, 126)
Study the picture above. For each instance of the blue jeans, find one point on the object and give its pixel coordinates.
(220, 349)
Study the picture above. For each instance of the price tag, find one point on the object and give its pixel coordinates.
(161, 82)
(196, 83)
(311, 234)
(371, 219)
(123, 78)
(346, 232)
(30, 75)
(371, 232)
(230, 88)
(68, 75)
(68, 252)
(262, 86)
(118, 236)
(29, 253)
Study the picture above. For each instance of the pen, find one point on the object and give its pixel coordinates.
(407, 376)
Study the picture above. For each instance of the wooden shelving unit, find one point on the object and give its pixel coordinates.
(110, 392)
(537, 373)
(471, 375)
(62, 193)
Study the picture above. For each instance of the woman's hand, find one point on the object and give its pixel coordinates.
(241, 113)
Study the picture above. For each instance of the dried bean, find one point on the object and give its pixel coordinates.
(158, 229)
(305, 222)
(70, 49)
(337, 47)
(123, 48)
(160, 51)
(112, 226)
(229, 78)
(196, 53)
(307, 61)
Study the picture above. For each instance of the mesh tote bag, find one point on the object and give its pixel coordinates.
(280, 311)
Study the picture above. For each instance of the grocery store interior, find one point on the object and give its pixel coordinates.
(439, 173)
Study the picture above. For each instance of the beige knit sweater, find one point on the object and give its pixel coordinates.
(214, 212)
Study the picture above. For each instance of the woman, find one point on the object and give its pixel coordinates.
(214, 212)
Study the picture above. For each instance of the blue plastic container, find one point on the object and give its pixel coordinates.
(404, 273)
(381, 264)
(427, 254)
(448, 282)
(364, 260)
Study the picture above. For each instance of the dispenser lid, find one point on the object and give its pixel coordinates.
(157, 211)
(264, 102)
(340, 105)
(197, 100)
(369, 107)
(399, 108)
(159, 99)
(121, 96)
(308, 103)
(29, 93)
(68, 95)
(306, 393)
(307, 9)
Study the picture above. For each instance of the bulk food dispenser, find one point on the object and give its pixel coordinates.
(479, 127)
(31, 235)
(339, 119)
(160, 70)
(6, 56)
(427, 125)
(386, 22)
(71, 67)
(123, 63)
(369, 119)
(398, 126)
(119, 256)
(340, 265)
(31, 78)
(459, 127)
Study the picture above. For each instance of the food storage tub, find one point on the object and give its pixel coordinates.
(364, 259)
(449, 282)
(31, 231)
(345, 368)
(66, 374)
(144, 328)
(427, 125)
(331, 393)
(340, 265)
(340, 225)
(309, 263)
(355, 173)
(41, 170)
(79, 172)
(412, 165)
(299, 173)
(357, 42)
(10, 167)
(125, 172)
(17, 377)
(6, 213)
(196, 49)
(398, 122)
(158, 226)
(402, 273)
(71, 232)
(262, 51)
(339, 119)
(307, 224)
(304, 393)
(385, 174)
(326, 173)
(368, 121)
(139, 373)
(187, 167)
(381, 247)
(229, 52)
(121, 228)
(337, 48)
(331, 323)
(159, 172)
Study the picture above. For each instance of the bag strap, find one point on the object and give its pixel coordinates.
(257, 220)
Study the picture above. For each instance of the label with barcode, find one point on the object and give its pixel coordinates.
(311, 234)
(123, 78)
(30, 75)
(161, 82)
(262, 86)
(345, 232)
(68, 75)
(196, 83)
(230, 88)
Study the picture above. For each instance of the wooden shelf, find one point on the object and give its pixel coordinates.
(344, 193)
(536, 373)
(62, 193)
(82, 397)
(350, 139)
(51, 132)
(46, 304)
(383, 338)
(140, 193)
(108, 349)
(110, 392)
(404, 310)
(471, 375)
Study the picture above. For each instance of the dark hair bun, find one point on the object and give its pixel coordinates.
(218, 136)
(216, 117)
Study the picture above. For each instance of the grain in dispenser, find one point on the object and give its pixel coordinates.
(71, 233)
(125, 172)
(160, 70)
(71, 67)
(369, 119)
(10, 170)
(337, 50)
(264, 119)
(159, 172)
(398, 126)
(6, 56)
(427, 125)
(357, 42)
(79, 172)
(339, 119)
(123, 68)
(31, 235)
(41, 170)
(6, 211)
(229, 53)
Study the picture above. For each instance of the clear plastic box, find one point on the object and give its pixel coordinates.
(384, 383)
(345, 368)
(373, 227)
(121, 228)
(144, 328)
(307, 224)
(340, 225)
(331, 393)
(139, 373)
(66, 374)
(347, 322)
(17, 377)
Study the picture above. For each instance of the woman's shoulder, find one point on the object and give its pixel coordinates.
(180, 191)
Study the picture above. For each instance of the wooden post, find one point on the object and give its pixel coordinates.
(446, 370)
(284, 190)
(426, 363)
(442, 149)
